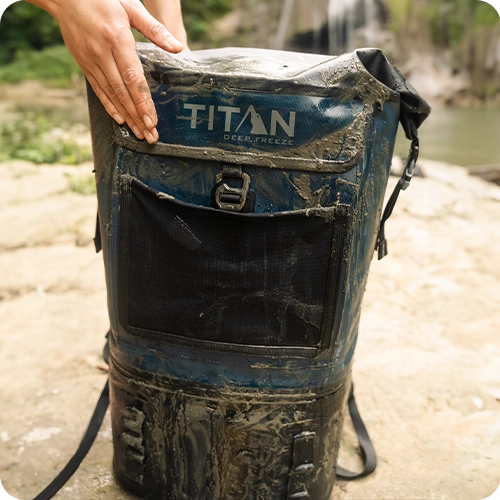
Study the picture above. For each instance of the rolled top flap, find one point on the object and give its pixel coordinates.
(261, 107)
(414, 108)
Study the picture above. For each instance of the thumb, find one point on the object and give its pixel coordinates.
(143, 21)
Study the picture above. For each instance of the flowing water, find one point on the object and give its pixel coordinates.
(351, 23)
(466, 137)
(328, 26)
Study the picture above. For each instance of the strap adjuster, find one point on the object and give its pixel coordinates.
(410, 165)
(402, 184)
(229, 197)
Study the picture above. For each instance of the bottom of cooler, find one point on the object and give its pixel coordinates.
(174, 439)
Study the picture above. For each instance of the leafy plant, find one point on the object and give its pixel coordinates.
(400, 10)
(81, 184)
(199, 15)
(53, 66)
(26, 27)
(28, 139)
(450, 20)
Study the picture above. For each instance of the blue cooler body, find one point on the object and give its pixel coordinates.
(236, 253)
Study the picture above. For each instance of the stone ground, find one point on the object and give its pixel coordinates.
(427, 366)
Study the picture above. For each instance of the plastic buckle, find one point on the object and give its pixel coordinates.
(408, 174)
(231, 198)
(410, 166)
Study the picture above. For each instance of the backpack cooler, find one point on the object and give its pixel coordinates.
(236, 253)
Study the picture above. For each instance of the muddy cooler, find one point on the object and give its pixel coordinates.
(236, 253)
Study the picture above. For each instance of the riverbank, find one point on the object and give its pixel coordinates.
(426, 367)
(465, 136)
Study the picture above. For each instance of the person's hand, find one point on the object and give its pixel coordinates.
(97, 34)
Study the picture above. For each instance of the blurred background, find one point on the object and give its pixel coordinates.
(449, 50)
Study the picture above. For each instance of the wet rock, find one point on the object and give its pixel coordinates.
(487, 172)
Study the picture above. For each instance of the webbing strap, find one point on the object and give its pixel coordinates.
(97, 237)
(365, 444)
(87, 441)
(403, 183)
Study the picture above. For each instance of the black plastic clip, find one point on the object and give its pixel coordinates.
(229, 197)
(403, 183)
(410, 165)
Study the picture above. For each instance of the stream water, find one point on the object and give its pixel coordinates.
(464, 137)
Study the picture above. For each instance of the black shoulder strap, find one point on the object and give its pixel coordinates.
(365, 444)
(87, 441)
(414, 111)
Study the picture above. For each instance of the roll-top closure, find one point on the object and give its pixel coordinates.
(261, 107)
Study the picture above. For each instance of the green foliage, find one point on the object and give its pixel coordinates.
(399, 10)
(199, 14)
(485, 15)
(27, 139)
(25, 27)
(81, 184)
(53, 65)
(450, 20)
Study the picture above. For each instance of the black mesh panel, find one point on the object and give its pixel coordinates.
(207, 274)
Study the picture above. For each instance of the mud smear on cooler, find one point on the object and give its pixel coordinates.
(341, 77)
(219, 442)
(302, 185)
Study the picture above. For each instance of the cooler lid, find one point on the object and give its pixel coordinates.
(261, 107)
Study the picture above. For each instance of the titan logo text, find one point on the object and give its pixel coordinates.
(202, 114)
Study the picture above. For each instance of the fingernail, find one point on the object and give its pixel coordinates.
(137, 132)
(149, 137)
(118, 118)
(174, 43)
(148, 122)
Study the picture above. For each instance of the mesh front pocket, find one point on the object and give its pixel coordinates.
(191, 273)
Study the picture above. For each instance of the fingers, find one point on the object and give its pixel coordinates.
(112, 104)
(99, 91)
(132, 91)
(118, 81)
(152, 29)
(98, 36)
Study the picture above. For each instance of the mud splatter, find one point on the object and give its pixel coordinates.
(302, 185)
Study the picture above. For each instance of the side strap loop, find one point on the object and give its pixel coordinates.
(402, 184)
(97, 237)
(365, 444)
(87, 441)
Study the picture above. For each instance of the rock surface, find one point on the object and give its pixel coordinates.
(427, 366)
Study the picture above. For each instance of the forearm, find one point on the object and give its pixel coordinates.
(97, 34)
(49, 5)
(169, 13)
